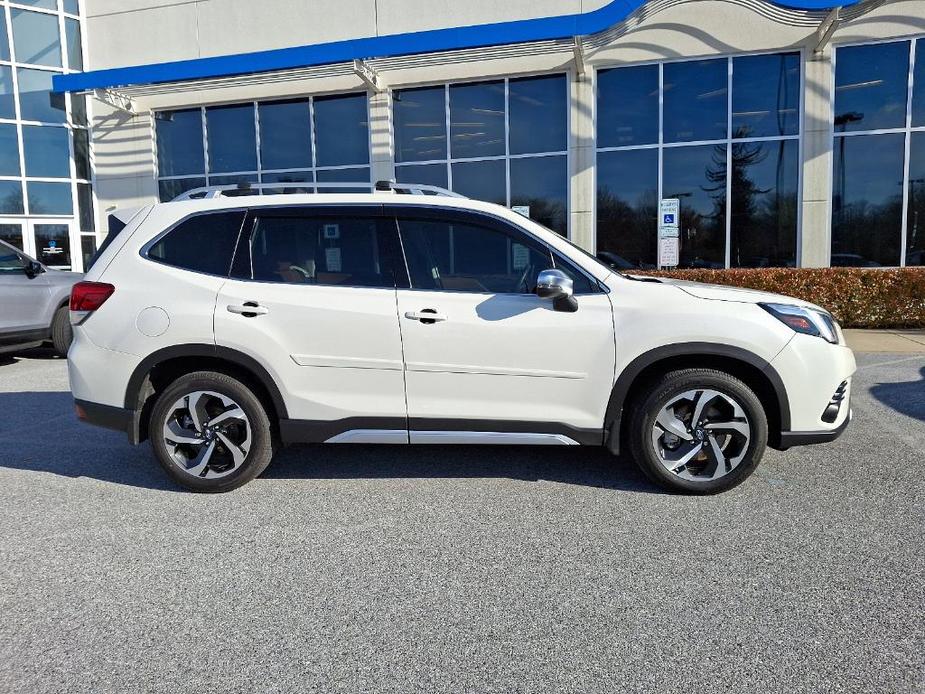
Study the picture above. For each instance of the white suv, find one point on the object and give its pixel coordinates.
(221, 327)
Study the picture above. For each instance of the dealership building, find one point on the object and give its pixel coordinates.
(792, 134)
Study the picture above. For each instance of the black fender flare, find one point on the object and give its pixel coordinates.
(626, 379)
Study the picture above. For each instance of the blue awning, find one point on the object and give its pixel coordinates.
(477, 36)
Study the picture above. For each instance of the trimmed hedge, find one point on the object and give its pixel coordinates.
(858, 298)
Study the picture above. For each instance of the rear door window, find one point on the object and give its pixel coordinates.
(204, 243)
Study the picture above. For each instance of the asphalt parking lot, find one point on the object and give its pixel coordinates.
(470, 569)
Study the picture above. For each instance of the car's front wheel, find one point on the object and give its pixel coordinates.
(698, 431)
(210, 432)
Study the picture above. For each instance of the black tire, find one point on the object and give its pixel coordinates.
(61, 331)
(261, 448)
(649, 404)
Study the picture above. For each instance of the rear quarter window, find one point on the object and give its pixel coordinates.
(203, 243)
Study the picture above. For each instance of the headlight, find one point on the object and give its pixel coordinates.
(805, 320)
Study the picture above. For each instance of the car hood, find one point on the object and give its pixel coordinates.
(718, 292)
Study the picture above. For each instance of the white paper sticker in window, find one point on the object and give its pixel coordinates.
(332, 259)
(520, 256)
(332, 231)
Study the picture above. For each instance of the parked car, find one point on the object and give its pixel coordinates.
(220, 328)
(35, 302)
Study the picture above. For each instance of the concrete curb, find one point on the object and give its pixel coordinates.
(896, 341)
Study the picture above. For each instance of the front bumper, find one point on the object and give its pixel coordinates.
(807, 438)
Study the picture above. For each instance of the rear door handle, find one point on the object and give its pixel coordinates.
(248, 309)
(427, 316)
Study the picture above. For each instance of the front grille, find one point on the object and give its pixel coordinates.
(830, 414)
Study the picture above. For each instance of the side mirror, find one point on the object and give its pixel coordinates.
(557, 286)
(32, 268)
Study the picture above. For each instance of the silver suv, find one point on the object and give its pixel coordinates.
(35, 302)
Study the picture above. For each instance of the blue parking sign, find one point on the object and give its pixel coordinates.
(668, 219)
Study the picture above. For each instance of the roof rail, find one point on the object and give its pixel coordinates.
(243, 189)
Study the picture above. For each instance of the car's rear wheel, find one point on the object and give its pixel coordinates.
(210, 432)
(698, 431)
(61, 331)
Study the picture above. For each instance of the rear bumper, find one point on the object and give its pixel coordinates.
(789, 439)
(106, 416)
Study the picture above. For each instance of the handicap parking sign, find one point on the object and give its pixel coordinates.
(668, 219)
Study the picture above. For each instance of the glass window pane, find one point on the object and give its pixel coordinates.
(53, 244)
(7, 100)
(695, 100)
(75, 59)
(78, 109)
(918, 92)
(420, 124)
(179, 142)
(627, 208)
(85, 207)
(11, 234)
(204, 243)
(11, 197)
(481, 180)
(867, 200)
(44, 4)
(35, 38)
(49, 198)
(539, 114)
(170, 189)
(446, 256)
(232, 138)
(285, 135)
(36, 101)
(71, 6)
(541, 183)
(764, 203)
(425, 174)
(238, 180)
(697, 176)
(766, 95)
(477, 119)
(870, 86)
(915, 225)
(627, 106)
(46, 151)
(87, 249)
(82, 154)
(9, 150)
(341, 130)
(359, 175)
(4, 41)
(288, 177)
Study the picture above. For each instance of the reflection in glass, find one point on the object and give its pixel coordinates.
(53, 244)
(11, 234)
(288, 177)
(78, 109)
(918, 90)
(915, 223)
(766, 95)
(695, 97)
(285, 134)
(239, 180)
(36, 101)
(232, 138)
(358, 175)
(764, 204)
(4, 42)
(871, 86)
(541, 183)
(46, 151)
(867, 200)
(71, 6)
(7, 100)
(538, 114)
(420, 124)
(49, 198)
(75, 59)
(179, 142)
(44, 4)
(35, 38)
(11, 197)
(82, 154)
(168, 190)
(627, 207)
(341, 130)
(87, 248)
(85, 207)
(627, 106)
(425, 174)
(697, 176)
(9, 150)
(477, 119)
(481, 180)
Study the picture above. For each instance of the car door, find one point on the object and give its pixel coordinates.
(313, 298)
(24, 296)
(483, 354)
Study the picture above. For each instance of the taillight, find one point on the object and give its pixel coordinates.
(87, 297)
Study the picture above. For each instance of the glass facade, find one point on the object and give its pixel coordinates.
(46, 194)
(508, 142)
(316, 139)
(878, 182)
(722, 136)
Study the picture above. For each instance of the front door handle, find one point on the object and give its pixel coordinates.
(248, 309)
(427, 316)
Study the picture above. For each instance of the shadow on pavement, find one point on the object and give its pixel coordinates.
(39, 432)
(907, 398)
(43, 353)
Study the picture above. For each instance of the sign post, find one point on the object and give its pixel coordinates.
(669, 236)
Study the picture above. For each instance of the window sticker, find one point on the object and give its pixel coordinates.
(332, 231)
(520, 256)
(332, 258)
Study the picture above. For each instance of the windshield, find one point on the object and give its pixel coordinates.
(578, 248)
